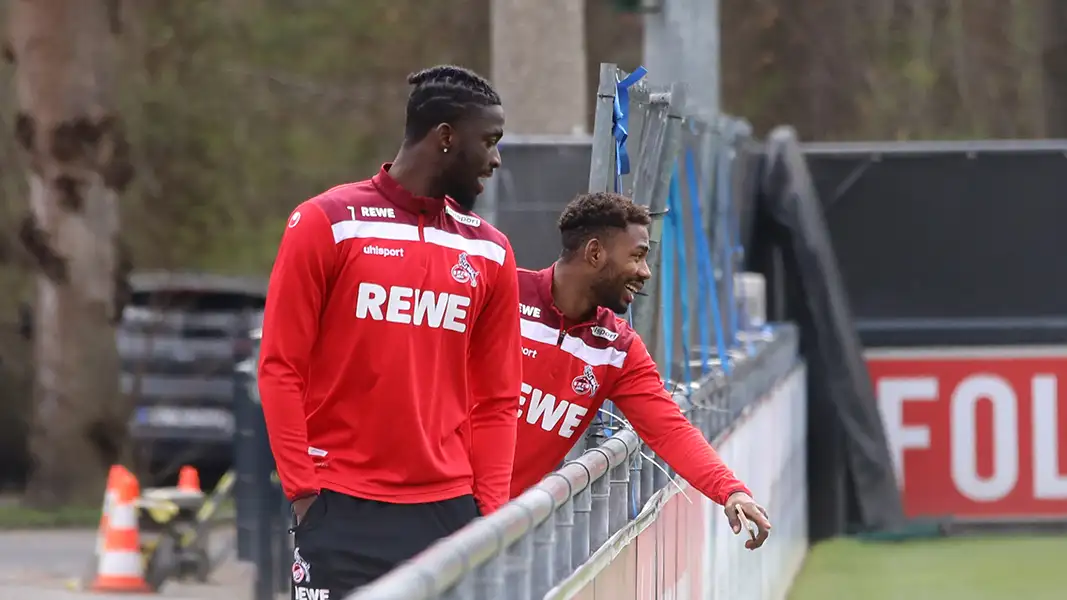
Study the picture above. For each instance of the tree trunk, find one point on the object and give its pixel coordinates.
(78, 164)
(1054, 67)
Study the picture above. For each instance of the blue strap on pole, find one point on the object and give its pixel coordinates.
(621, 121)
(706, 303)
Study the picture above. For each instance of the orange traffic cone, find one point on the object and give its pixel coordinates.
(114, 476)
(120, 568)
(110, 493)
(188, 479)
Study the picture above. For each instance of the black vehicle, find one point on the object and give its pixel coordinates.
(181, 337)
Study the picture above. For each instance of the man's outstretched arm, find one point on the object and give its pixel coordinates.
(640, 393)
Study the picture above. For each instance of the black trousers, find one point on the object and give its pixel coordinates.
(345, 542)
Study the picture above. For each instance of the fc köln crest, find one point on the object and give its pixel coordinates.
(301, 568)
(586, 383)
(463, 272)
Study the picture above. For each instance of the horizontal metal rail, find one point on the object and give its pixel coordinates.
(541, 538)
(442, 566)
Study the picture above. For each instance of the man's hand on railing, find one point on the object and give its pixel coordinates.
(740, 506)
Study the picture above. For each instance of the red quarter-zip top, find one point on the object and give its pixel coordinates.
(390, 363)
(568, 373)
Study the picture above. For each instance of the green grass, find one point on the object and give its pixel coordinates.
(971, 568)
(16, 516)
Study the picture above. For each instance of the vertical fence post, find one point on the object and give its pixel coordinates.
(670, 142)
(602, 159)
(583, 506)
(648, 475)
(542, 575)
(518, 560)
(619, 496)
(564, 555)
(598, 520)
(660, 477)
(489, 580)
(633, 495)
(245, 461)
(724, 414)
(255, 493)
(646, 309)
(266, 518)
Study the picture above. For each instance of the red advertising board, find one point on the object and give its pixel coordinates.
(978, 432)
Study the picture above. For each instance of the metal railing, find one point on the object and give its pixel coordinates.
(546, 542)
(538, 541)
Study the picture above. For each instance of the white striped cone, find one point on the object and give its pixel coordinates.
(120, 568)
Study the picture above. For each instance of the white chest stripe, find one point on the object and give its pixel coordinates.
(538, 332)
(594, 357)
(346, 230)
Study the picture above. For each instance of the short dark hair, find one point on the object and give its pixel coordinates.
(444, 94)
(589, 215)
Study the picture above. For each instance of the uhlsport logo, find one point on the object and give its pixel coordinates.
(604, 333)
(585, 383)
(301, 568)
(463, 272)
(468, 220)
(374, 250)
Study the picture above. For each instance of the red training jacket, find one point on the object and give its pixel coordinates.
(568, 373)
(390, 362)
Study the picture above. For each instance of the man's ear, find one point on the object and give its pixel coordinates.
(446, 135)
(595, 253)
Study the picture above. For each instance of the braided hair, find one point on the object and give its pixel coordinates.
(444, 94)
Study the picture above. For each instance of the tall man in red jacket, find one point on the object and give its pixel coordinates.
(577, 353)
(390, 362)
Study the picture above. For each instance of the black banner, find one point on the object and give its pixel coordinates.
(949, 243)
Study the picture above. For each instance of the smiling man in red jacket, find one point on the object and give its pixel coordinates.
(577, 353)
(390, 362)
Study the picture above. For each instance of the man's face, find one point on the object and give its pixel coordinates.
(474, 155)
(625, 270)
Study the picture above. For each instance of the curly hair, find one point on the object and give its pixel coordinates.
(444, 94)
(590, 215)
